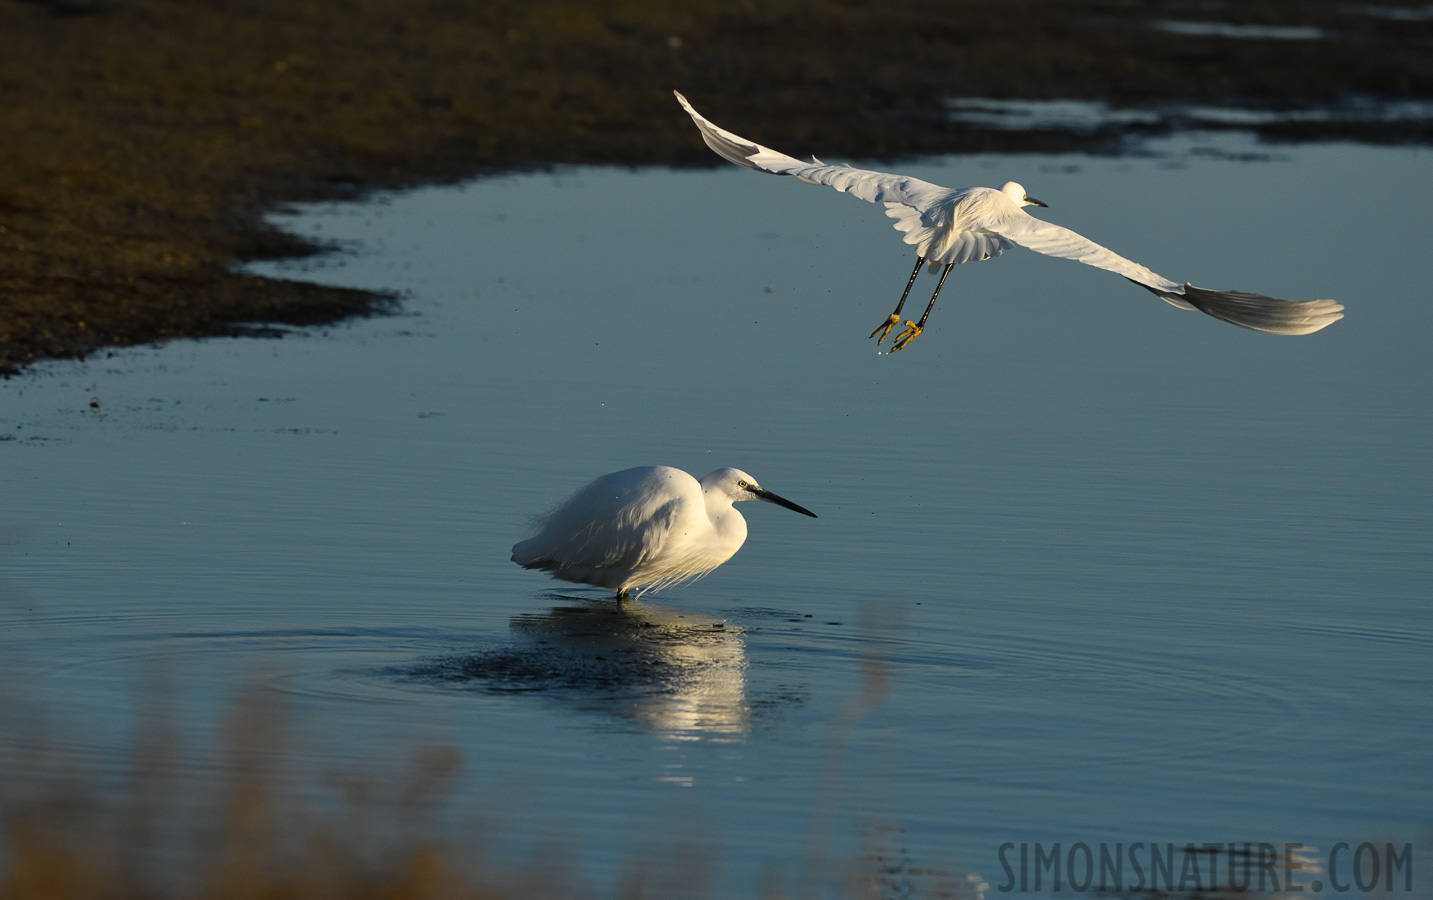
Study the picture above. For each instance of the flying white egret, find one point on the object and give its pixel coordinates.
(645, 529)
(949, 226)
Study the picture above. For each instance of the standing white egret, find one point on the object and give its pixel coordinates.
(949, 226)
(645, 529)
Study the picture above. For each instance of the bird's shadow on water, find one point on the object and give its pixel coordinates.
(678, 674)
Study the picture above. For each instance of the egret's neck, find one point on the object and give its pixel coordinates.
(729, 524)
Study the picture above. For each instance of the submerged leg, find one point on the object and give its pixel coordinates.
(915, 328)
(895, 317)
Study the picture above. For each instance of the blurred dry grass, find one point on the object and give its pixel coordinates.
(144, 139)
(167, 826)
(247, 826)
(241, 822)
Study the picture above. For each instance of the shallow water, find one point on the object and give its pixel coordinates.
(1087, 567)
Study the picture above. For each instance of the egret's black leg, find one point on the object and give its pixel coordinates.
(915, 328)
(896, 316)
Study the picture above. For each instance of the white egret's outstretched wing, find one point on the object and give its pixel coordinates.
(960, 225)
(875, 187)
(1255, 311)
(1055, 240)
(922, 210)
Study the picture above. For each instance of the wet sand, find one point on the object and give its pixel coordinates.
(144, 140)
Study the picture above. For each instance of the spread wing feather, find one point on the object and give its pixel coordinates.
(1055, 240)
(1254, 311)
(923, 214)
(873, 187)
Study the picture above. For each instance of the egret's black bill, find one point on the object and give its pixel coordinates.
(769, 497)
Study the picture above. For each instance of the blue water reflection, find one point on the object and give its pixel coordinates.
(1088, 567)
(678, 675)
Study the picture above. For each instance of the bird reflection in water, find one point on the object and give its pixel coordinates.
(679, 674)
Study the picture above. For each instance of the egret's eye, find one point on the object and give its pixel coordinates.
(742, 484)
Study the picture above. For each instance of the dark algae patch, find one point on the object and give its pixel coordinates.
(142, 141)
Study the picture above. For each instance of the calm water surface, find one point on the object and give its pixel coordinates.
(1087, 567)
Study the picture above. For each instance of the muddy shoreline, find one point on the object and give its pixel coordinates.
(144, 140)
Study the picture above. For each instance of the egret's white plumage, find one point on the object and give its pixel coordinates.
(645, 529)
(949, 226)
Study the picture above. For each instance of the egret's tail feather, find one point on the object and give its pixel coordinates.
(1256, 311)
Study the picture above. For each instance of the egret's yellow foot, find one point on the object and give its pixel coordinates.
(912, 329)
(886, 327)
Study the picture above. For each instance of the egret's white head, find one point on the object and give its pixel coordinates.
(737, 486)
(1016, 192)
